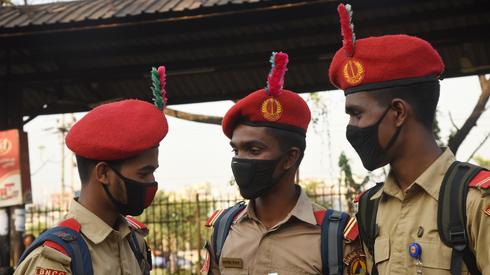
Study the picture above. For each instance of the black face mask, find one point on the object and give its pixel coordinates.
(366, 143)
(254, 176)
(139, 195)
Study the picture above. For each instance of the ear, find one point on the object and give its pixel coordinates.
(402, 110)
(101, 172)
(292, 158)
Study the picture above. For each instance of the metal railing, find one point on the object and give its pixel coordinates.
(177, 231)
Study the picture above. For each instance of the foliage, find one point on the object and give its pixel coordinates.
(482, 161)
(437, 131)
(353, 188)
(166, 218)
(313, 188)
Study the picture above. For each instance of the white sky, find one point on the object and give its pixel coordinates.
(195, 152)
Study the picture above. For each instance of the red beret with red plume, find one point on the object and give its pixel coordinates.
(380, 62)
(272, 106)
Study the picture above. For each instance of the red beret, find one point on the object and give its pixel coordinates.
(118, 130)
(380, 62)
(270, 107)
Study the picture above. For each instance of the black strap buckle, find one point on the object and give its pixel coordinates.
(457, 236)
(335, 216)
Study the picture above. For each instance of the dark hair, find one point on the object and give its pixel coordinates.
(85, 166)
(422, 97)
(289, 139)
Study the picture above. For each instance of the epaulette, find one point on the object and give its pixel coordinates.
(70, 223)
(358, 197)
(351, 231)
(319, 215)
(136, 225)
(213, 217)
(217, 213)
(481, 180)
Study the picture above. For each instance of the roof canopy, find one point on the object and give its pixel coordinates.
(70, 56)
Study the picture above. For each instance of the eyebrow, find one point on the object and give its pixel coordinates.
(352, 108)
(148, 168)
(249, 143)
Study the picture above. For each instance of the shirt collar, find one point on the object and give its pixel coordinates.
(93, 227)
(430, 180)
(303, 210)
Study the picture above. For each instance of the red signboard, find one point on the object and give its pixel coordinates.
(15, 179)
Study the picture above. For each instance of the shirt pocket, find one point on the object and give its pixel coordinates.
(381, 250)
(437, 257)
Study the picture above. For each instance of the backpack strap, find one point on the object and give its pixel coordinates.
(366, 218)
(67, 239)
(142, 254)
(222, 224)
(451, 214)
(138, 253)
(332, 242)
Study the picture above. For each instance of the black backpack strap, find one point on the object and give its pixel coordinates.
(138, 253)
(73, 244)
(451, 215)
(222, 226)
(366, 218)
(332, 242)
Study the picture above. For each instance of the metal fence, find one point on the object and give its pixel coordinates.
(176, 224)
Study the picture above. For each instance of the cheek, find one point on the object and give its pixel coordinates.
(119, 191)
(384, 134)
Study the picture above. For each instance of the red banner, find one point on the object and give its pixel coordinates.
(15, 184)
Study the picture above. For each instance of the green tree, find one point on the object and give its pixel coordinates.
(352, 187)
(315, 188)
(177, 225)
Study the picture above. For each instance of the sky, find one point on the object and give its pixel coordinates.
(194, 153)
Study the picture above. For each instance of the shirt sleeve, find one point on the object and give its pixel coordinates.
(44, 260)
(478, 223)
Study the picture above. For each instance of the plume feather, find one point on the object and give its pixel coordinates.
(275, 79)
(158, 79)
(347, 28)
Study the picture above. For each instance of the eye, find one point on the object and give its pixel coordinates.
(255, 150)
(143, 175)
(356, 114)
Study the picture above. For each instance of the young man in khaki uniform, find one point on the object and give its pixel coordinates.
(116, 146)
(279, 231)
(392, 89)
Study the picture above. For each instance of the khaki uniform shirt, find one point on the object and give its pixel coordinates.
(109, 249)
(291, 247)
(411, 216)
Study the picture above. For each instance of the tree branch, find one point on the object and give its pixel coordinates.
(458, 138)
(478, 147)
(452, 121)
(194, 117)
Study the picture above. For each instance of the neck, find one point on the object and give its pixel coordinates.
(278, 203)
(416, 156)
(97, 202)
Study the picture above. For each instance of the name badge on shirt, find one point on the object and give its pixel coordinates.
(232, 262)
